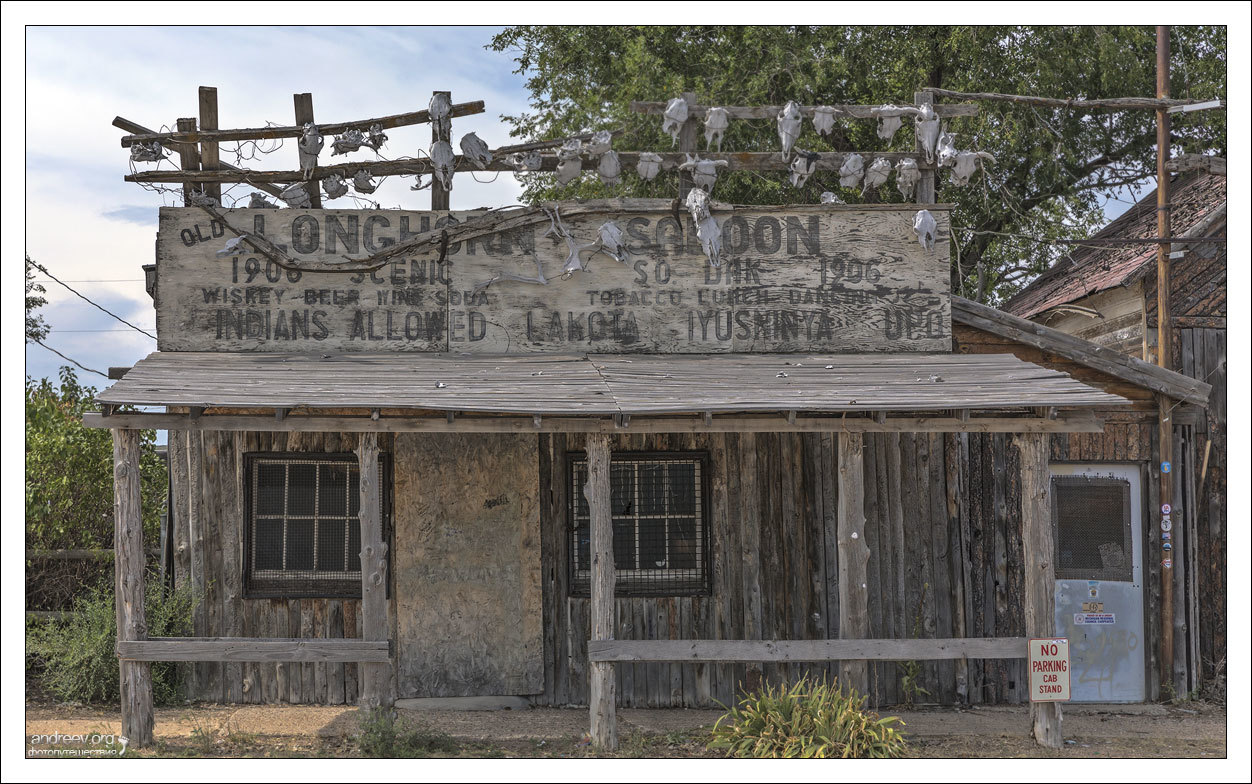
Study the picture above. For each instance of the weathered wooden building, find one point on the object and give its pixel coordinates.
(1107, 293)
(395, 478)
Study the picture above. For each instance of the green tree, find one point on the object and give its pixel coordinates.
(36, 329)
(69, 470)
(1054, 168)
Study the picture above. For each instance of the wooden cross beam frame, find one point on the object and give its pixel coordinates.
(855, 111)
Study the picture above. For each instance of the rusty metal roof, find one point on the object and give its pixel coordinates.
(1092, 269)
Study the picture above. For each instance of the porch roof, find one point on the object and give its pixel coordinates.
(602, 384)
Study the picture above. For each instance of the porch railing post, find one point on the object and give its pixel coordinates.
(603, 687)
(853, 555)
(376, 682)
(135, 676)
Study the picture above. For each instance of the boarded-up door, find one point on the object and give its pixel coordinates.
(467, 583)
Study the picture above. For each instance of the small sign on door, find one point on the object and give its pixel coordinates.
(1049, 670)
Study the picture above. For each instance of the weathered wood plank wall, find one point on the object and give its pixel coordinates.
(943, 516)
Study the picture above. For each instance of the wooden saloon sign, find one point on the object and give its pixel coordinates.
(792, 279)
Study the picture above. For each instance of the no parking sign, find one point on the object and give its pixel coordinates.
(1049, 670)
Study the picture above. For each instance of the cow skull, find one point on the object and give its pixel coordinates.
(877, 174)
(824, 119)
(612, 242)
(649, 165)
(967, 163)
(803, 166)
(673, 118)
(297, 196)
(376, 138)
(363, 182)
(924, 227)
(569, 161)
(147, 151)
(907, 177)
(789, 126)
(258, 202)
(529, 161)
(444, 163)
(610, 168)
(708, 231)
(716, 121)
(829, 197)
(927, 127)
(946, 151)
(703, 171)
(334, 186)
(440, 112)
(310, 145)
(601, 142)
(475, 149)
(890, 118)
(350, 140)
(851, 170)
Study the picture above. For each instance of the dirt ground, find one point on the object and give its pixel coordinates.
(1197, 730)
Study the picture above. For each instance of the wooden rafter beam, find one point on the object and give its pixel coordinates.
(1065, 422)
(860, 112)
(738, 161)
(294, 131)
(1107, 104)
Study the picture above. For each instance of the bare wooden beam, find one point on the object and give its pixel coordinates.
(304, 114)
(807, 650)
(135, 677)
(603, 697)
(252, 649)
(853, 554)
(290, 131)
(134, 127)
(926, 184)
(376, 677)
(1069, 422)
(1110, 104)
(860, 112)
(208, 149)
(440, 198)
(737, 161)
(189, 160)
(1037, 553)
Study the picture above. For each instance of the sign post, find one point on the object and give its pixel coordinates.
(1049, 670)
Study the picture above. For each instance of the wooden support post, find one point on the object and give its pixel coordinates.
(304, 114)
(1037, 554)
(128, 569)
(440, 199)
(853, 555)
(208, 150)
(926, 185)
(687, 144)
(603, 697)
(1164, 351)
(188, 156)
(376, 690)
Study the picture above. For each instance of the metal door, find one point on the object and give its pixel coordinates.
(1097, 518)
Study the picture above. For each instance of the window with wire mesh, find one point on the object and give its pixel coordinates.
(304, 533)
(1091, 518)
(660, 527)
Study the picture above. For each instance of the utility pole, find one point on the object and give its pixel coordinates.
(1164, 350)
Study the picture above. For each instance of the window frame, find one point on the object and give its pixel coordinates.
(579, 586)
(278, 585)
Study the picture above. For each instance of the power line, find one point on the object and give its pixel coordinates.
(44, 270)
(67, 359)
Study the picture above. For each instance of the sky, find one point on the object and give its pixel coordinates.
(94, 231)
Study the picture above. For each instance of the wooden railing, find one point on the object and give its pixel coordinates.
(806, 650)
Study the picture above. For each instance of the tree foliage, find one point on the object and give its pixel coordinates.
(36, 328)
(1054, 167)
(69, 470)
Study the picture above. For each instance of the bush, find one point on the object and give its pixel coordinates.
(69, 471)
(385, 736)
(811, 719)
(76, 657)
